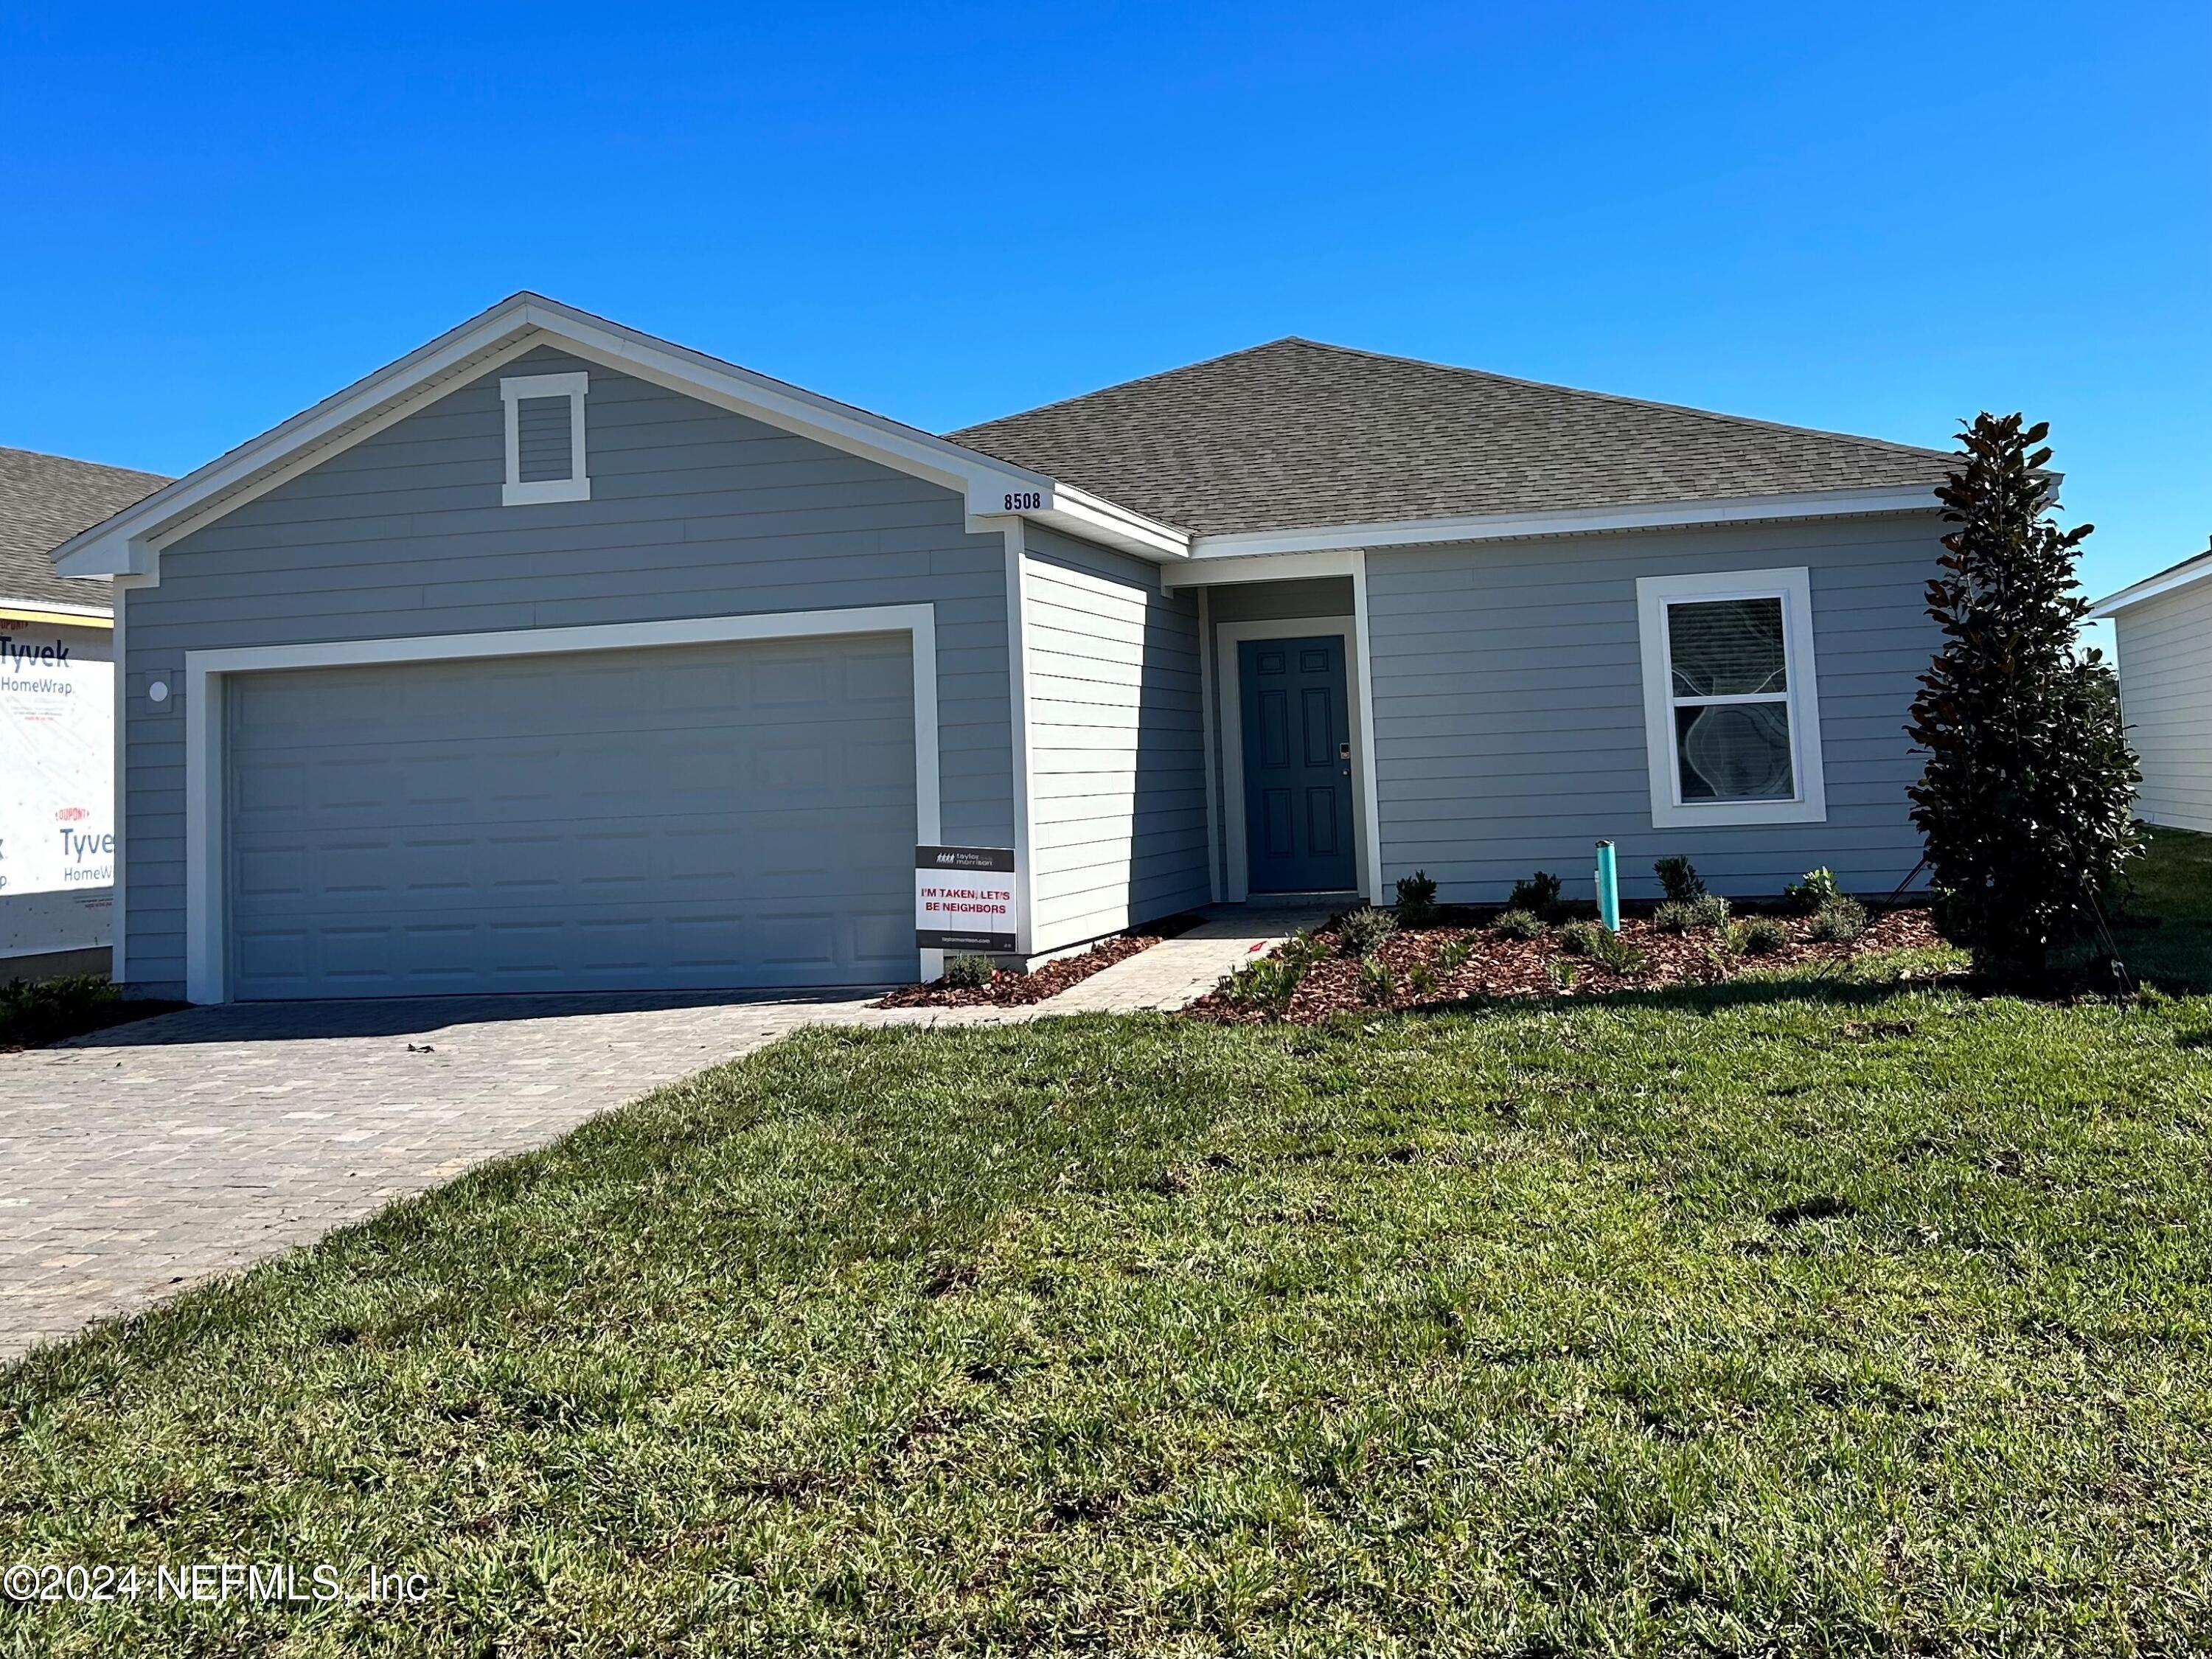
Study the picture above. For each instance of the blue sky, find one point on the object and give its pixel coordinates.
(1877, 219)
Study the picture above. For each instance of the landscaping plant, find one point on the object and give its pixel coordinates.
(2025, 801)
(1839, 921)
(1678, 879)
(969, 972)
(1539, 895)
(1362, 930)
(1518, 923)
(1378, 985)
(1759, 936)
(1416, 899)
(1581, 939)
(1819, 888)
(1709, 910)
(1674, 916)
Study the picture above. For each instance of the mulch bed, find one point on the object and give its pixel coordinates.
(1008, 990)
(1501, 967)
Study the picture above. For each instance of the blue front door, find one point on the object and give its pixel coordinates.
(1297, 765)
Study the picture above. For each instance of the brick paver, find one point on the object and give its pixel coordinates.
(139, 1160)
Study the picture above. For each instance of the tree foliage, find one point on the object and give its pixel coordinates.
(2025, 800)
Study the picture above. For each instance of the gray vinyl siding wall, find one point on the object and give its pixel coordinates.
(1509, 707)
(1117, 750)
(2165, 647)
(693, 511)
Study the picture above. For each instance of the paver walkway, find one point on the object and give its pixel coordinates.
(138, 1161)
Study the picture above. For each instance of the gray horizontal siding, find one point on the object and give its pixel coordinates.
(1117, 750)
(1509, 707)
(693, 511)
(2164, 649)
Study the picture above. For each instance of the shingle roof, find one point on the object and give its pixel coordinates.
(1295, 433)
(44, 500)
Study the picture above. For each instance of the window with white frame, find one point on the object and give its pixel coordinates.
(1731, 710)
(544, 438)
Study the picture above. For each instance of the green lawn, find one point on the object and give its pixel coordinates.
(1756, 1320)
(2172, 883)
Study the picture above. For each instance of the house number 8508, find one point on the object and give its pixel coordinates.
(1025, 500)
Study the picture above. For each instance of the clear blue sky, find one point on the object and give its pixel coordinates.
(1874, 218)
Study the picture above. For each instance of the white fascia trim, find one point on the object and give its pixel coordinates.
(1573, 521)
(2151, 588)
(1214, 570)
(130, 542)
(1794, 587)
(206, 949)
(1229, 711)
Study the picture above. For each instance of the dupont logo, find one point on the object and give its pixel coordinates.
(72, 815)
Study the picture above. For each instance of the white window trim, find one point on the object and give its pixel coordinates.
(1229, 716)
(1794, 587)
(206, 673)
(512, 389)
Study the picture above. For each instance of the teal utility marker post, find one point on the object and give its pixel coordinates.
(1608, 887)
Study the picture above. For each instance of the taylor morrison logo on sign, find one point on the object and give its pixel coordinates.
(963, 898)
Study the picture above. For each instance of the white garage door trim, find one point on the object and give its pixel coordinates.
(206, 906)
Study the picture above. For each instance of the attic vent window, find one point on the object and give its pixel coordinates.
(544, 438)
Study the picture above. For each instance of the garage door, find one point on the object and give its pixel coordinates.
(692, 817)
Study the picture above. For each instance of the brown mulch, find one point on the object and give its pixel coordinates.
(1501, 967)
(1008, 990)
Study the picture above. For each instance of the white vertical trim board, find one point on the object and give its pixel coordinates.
(1018, 680)
(207, 674)
(1209, 708)
(1363, 720)
(1794, 587)
(1230, 634)
(120, 908)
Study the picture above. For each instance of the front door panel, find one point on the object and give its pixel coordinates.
(1297, 764)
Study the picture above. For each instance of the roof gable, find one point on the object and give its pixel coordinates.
(130, 542)
(1296, 434)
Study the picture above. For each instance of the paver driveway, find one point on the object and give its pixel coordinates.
(135, 1162)
(141, 1160)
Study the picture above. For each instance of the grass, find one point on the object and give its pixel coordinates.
(1769, 1318)
(2173, 882)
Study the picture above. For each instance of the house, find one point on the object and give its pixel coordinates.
(57, 717)
(555, 656)
(2163, 637)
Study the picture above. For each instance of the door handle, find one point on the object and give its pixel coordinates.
(1344, 753)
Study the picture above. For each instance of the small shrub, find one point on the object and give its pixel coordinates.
(1378, 985)
(1452, 954)
(1416, 899)
(1818, 888)
(1519, 924)
(33, 1012)
(970, 973)
(1674, 916)
(1361, 930)
(1618, 955)
(1270, 982)
(1583, 939)
(1562, 972)
(1678, 879)
(1421, 982)
(1709, 910)
(1839, 921)
(1539, 894)
(1760, 936)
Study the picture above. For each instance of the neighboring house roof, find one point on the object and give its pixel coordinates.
(1296, 434)
(2196, 568)
(44, 500)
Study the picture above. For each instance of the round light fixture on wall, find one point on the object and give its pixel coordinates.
(159, 691)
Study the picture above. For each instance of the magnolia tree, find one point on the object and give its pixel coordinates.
(2025, 804)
